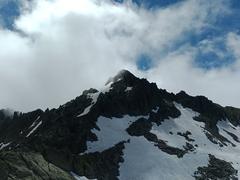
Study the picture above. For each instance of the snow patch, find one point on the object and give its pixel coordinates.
(181, 124)
(155, 110)
(34, 129)
(128, 89)
(94, 97)
(112, 131)
(80, 177)
(226, 126)
(3, 145)
(106, 89)
(34, 123)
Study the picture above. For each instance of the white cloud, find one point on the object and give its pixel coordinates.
(177, 73)
(66, 46)
(233, 43)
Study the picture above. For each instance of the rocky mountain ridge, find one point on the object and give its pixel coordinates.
(130, 129)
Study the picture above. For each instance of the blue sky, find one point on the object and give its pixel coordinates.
(58, 48)
(153, 4)
(9, 10)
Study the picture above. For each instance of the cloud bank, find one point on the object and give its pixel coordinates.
(61, 47)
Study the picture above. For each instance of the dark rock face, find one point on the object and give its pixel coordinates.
(138, 101)
(210, 113)
(140, 127)
(186, 135)
(233, 114)
(10, 128)
(217, 169)
(166, 110)
(62, 135)
(162, 145)
(103, 166)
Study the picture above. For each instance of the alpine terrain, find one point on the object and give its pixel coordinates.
(128, 130)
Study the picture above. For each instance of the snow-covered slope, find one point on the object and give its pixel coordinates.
(144, 161)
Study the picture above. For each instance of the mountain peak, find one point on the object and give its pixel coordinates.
(124, 75)
(106, 134)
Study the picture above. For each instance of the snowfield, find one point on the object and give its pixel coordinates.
(112, 131)
(144, 161)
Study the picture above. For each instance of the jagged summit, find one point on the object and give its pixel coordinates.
(123, 75)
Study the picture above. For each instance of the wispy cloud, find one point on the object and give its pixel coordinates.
(62, 47)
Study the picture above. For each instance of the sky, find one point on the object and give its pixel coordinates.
(52, 50)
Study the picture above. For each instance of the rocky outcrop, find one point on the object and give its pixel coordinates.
(217, 169)
(29, 166)
(140, 127)
(102, 166)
